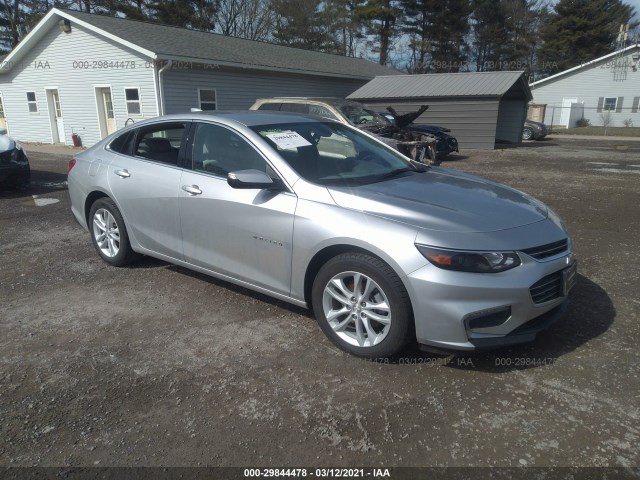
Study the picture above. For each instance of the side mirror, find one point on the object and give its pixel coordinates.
(3, 131)
(252, 179)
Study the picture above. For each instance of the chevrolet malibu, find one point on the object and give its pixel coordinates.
(323, 215)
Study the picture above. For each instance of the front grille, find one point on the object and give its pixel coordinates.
(548, 250)
(547, 288)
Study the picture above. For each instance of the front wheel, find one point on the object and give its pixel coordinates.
(109, 234)
(527, 134)
(362, 306)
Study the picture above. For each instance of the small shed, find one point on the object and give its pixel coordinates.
(480, 108)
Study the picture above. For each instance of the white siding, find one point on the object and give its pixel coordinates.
(51, 64)
(588, 86)
(238, 90)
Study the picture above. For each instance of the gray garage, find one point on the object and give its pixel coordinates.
(480, 108)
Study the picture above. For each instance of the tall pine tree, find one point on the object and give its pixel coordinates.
(581, 30)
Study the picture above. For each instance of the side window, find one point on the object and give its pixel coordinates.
(295, 107)
(160, 143)
(321, 111)
(218, 150)
(269, 106)
(122, 144)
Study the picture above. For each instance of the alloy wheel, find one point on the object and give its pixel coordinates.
(106, 233)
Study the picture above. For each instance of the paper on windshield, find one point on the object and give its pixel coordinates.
(287, 140)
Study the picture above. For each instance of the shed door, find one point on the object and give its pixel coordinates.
(566, 111)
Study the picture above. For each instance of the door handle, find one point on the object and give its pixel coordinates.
(192, 189)
(122, 173)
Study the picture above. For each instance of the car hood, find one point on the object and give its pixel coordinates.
(443, 200)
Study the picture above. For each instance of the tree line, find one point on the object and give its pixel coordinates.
(417, 36)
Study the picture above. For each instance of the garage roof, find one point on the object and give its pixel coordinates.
(470, 84)
(174, 43)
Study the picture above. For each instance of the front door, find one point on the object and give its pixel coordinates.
(146, 184)
(246, 234)
(55, 96)
(109, 118)
(3, 118)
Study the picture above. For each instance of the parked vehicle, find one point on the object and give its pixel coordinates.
(534, 130)
(14, 164)
(380, 247)
(416, 144)
(446, 143)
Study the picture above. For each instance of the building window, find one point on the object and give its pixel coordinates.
(207, 99)
(32, 102)
(610, 104)
(132, 97)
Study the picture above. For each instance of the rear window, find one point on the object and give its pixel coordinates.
(122, 144)
(295, 107)
(269, 106)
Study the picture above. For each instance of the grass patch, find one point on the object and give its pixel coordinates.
(611, 131)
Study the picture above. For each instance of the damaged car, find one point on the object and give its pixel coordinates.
(414, 143)
(14, 164)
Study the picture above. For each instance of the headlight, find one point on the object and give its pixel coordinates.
(474, 262)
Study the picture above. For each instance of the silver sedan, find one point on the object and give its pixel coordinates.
(323, 215)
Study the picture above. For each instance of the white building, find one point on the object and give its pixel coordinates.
(85, 74)
(605, 89)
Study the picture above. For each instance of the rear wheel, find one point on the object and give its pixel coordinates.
(527, 134)
(362, 305)
(109, 234)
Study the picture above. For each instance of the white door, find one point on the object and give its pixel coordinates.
(109, 118)
(3, 118)
(566, 111)
(55, 96)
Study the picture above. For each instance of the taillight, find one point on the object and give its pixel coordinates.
(72, 163)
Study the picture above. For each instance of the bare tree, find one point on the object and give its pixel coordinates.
(252, 19)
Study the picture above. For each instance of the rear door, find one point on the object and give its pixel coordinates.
(245, 234)
(145, 184)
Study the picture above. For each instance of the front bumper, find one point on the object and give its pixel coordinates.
(15, 173)
(445, 301)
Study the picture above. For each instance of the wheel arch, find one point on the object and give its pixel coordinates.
(327, 253)
(90, 200)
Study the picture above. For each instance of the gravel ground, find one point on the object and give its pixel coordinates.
(155, 365)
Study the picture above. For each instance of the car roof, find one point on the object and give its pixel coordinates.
(335, 101)
(248, 118)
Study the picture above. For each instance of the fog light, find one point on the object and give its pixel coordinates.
(491, 317)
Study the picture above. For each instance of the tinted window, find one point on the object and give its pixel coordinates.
(160, 142)
(218, 150)
(122, 144)
(295, 107)
(269, 106)
(321, 111)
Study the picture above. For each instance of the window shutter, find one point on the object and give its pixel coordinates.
(619, 104)
(636, 101)
(600, 103)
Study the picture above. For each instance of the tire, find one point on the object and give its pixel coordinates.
(527, 134)
(109, 234)
(362, 335)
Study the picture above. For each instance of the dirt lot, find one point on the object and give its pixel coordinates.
(157, 365)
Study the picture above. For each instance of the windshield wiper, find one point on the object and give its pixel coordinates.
(394, 173)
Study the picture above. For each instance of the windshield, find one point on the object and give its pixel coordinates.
(329, 153)
(358, 115)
